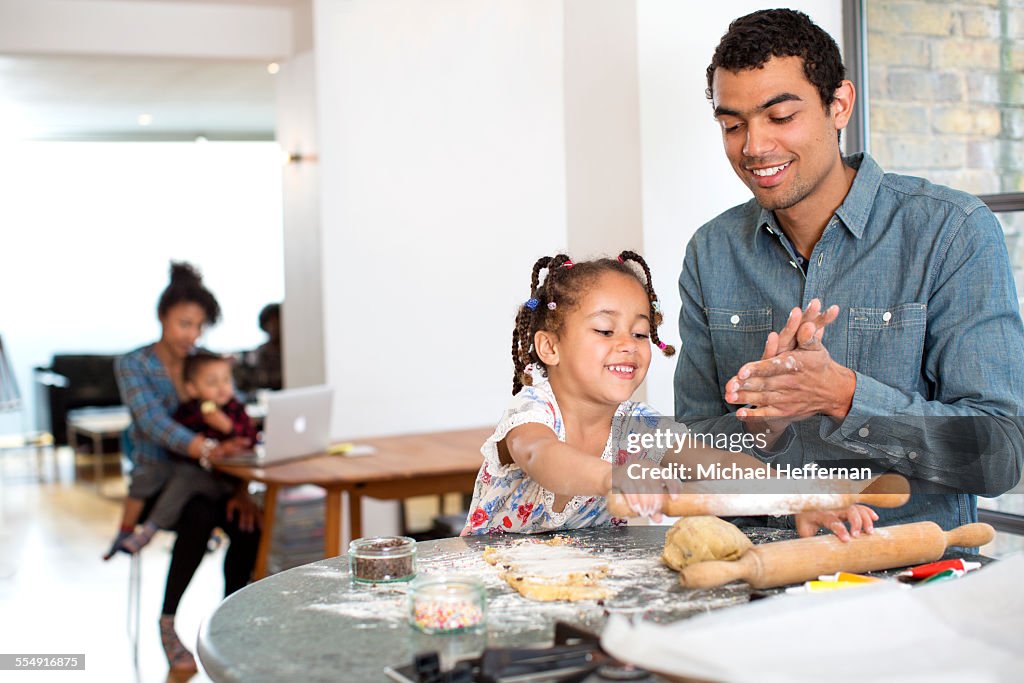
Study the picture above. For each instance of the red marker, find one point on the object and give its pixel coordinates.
(925, 570)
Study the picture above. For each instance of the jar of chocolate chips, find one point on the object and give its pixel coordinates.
(382, 559)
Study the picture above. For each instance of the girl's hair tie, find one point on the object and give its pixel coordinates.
(532, 303)
(567, 264)
(656, 305)
(662, 345)
(552, 305)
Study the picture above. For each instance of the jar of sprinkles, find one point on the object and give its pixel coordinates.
(447, 604)
(382, 559)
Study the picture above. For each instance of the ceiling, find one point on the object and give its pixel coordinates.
(101, 98)
(58, 97)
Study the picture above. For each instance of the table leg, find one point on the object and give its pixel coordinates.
(332, 523)
(72, 442)
(97, 458)
(266, 532)
(355, 515)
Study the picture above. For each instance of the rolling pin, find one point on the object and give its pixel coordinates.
(784, 562)
(886, 491)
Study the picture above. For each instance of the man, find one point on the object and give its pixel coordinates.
(921, 370)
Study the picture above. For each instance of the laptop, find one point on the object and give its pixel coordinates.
(297, 425)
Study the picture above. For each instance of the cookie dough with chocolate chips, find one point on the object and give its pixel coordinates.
(698, 539)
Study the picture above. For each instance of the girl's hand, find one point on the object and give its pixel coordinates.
(245, 507)
(646, 495)
(646, 505)
(860, 518)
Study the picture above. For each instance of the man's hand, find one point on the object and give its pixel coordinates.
(242, 505)
(800, 328)
(796, 377)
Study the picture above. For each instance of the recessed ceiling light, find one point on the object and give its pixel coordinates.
(273, 68)
(145, 119)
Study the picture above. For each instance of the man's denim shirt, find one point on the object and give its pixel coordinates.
(929, 321)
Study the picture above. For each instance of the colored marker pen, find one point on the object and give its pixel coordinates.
(943, 576)
(923, 571)
(823, 586)
(846, 577)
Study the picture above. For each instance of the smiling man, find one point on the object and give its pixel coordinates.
(921, 367)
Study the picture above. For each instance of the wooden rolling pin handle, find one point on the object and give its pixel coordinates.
(715, 573)
(882, 500)
(970, 535)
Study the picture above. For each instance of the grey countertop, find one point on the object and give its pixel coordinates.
(312, 623)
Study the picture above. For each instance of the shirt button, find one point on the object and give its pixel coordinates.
(863, 432)
(887, 316)
(735, 319)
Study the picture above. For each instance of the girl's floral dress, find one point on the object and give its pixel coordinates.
(505, 499)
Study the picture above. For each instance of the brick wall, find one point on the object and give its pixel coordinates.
(946, 85)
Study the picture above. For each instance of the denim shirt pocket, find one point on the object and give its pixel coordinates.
(738, 337)
(887, 344)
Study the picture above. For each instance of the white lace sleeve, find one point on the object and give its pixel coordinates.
(638, 425)
(531, 404)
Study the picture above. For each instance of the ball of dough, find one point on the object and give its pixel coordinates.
(698, 539)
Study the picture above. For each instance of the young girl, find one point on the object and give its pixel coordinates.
(580, 348)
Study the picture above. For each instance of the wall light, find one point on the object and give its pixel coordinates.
(298, 158)
(145, 119)
(273, 68)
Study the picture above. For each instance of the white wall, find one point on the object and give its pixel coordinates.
(602, 128)
(452, 136)
(686, 179)
(442, 175)
(302, 314)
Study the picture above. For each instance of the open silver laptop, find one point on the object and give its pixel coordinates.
(297, 425)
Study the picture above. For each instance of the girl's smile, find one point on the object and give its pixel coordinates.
(623, 370)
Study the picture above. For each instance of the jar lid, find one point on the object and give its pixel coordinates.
(383, 546)
(442, 583)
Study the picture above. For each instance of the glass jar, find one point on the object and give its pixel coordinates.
(382, 559)
(447, 604)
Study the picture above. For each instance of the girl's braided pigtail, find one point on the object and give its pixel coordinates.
(652, 297)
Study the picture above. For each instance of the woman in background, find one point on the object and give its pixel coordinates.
(152, 385)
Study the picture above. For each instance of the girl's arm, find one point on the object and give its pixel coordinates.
(555, 465)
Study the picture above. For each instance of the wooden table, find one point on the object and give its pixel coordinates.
(402, 467)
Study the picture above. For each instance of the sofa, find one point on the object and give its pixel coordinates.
(73, 381)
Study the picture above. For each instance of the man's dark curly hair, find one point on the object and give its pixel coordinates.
(754, 39)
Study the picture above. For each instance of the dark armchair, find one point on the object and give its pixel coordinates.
(71, 382)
